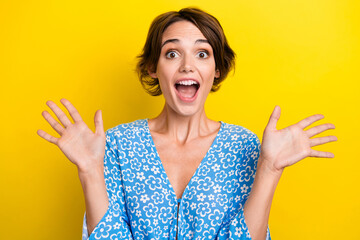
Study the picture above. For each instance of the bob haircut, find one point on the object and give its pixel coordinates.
(209, 27)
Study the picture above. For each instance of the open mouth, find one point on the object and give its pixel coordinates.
(187, 89)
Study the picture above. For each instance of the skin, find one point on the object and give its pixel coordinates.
(182, 133)
(182, 129)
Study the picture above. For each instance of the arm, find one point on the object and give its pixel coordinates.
(236, 227)
(114, 222)
(280, 148)
(86, 150)
(96, 199)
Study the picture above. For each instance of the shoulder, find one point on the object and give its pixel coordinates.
(243, 142)
(127, 128)
(240, 133)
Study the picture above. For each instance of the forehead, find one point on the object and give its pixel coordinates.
(182, 30)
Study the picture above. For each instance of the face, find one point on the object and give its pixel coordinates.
(186, 68)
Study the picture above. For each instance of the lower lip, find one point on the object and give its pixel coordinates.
(188, 100)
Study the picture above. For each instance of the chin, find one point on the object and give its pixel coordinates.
(187, 111)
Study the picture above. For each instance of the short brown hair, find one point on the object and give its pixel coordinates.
(209, 27)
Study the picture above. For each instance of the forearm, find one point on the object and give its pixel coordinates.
(96, 200)
(257, 206)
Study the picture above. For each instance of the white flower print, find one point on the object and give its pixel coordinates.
(201, 197)
(165, 214)
(139, 149)
(128, 175)
(111, 184)
(139, 188)
(153, 183)
(203, 171)
(140, 176)
(211, 197)
(193, 206)
(246, 174)
(228, 160)
(143, 204)
(135, 164)
(203, 209)
(234, 137)
(217, 188)
(144, 198)
(197, 224)
(151, 210)
(234, 222)
(222, 199)
(155, 170)
(132, 203)
(125, 144)
(116, 236)
(145, 226)
(238, 231)
(244, 188)
(205, 184)
(102, 230)
(158, 198)
(220, 176)
(215, 217)
(235, 147)
(216, 167)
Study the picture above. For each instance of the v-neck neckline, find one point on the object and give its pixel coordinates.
(157, 156)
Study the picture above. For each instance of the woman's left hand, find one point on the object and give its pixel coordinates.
(285, 147)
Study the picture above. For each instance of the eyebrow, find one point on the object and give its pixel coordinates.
(177, 40)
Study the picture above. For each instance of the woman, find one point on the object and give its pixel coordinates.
(181, 175)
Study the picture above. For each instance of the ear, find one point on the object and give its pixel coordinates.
(217, 73)
(151, 73)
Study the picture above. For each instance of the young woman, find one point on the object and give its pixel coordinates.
(181, 175)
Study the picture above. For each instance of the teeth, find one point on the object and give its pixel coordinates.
(187, 82)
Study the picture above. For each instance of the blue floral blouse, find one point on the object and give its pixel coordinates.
(143, 204)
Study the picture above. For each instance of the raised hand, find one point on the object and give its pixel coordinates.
(79, 144)
(285, 147)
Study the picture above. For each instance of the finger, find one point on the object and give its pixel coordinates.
(47, 136)
(99, 127)
(322, 140)
(59, 113)
(274, 118)
(319, 129)
(309, 120)
(315, 153)
(72, 110)
(53, 123)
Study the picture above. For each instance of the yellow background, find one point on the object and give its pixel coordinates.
(302, 55)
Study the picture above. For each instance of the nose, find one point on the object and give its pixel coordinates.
(187, 64)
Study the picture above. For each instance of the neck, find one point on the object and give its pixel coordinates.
(180, 128)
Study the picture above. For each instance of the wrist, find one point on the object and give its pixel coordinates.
(91, 175)
(267, 167)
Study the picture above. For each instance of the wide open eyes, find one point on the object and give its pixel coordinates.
(203, 54)
(173, 54)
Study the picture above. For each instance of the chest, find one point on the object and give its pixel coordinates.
(181, 161)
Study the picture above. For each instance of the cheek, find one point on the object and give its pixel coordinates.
(207, 70)
(166, 69)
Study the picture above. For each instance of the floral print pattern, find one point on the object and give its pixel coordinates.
(143, 204)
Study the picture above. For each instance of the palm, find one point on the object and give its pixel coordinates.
(285, 147)
(79, 144)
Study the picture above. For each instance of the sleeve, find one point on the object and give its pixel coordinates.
(235, 227)
(114, 224)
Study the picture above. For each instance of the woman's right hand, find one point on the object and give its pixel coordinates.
(79, 144)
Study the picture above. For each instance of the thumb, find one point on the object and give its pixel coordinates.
(274, 118)
(99, 128)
